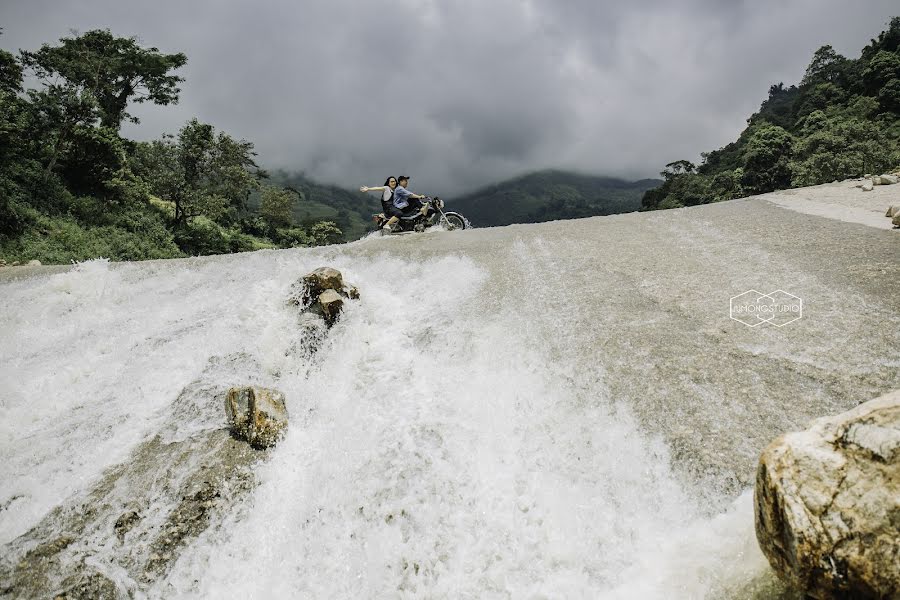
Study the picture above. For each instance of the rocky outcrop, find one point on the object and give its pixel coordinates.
(143, 513)
(256, 414)
(828, 504)
(322, 293)
(885, 179)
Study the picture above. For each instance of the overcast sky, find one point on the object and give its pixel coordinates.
(464, 93)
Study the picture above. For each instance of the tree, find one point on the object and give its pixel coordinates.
(200, 172)
(114, 70)
(766, 160)
(838, 147)
(276, 207)
(55, 114)
(12, 108)
(778, 108)
(10, 73)
(882, 79)
(325, 232)
(93, 160)
(726, 185)
(678, 168)
(826, 66)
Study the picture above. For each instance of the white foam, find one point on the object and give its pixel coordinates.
(440, 446)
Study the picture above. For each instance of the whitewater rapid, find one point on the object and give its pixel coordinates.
(487, 421)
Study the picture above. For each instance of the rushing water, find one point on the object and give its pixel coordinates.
(483, 423)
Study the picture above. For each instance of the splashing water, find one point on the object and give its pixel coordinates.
(469, 428)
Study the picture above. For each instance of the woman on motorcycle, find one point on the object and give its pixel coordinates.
(387, 201)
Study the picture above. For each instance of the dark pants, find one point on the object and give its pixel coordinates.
(389, 209)
(414, 207)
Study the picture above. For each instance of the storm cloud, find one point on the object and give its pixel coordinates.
(462, 94)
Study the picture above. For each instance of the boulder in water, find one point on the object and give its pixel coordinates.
(331, 304)
(884, 180)
(896, 220)
(867, 186)
(828, 504)
(305, 291)
(324, 278)
(350, 291)
(34, 263)
(892, 211)
(256, 414)
(322, 292)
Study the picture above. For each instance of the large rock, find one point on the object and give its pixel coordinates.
(324, 278)
(331, 304)
(256, 414)
(322, 293)
(892, 211)
(305, 291)
(867, 186)
(828, 504)
(896, 220)
(884, 179)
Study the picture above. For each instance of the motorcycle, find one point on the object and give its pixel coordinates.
(434, 215)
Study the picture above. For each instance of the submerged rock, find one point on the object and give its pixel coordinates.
(322, 293)
(126, 522)
(828, 504)
(350, 291)
(256, 414)
(141, 515)
(305, 291)
(89, 585)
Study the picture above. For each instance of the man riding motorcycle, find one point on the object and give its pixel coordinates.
(405, 201)
(404, 211)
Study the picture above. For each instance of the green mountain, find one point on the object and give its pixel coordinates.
(841, 121)
(533, 198)
(350, 210)
(548, 196)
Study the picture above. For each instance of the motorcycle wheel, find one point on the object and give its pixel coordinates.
(454, 221)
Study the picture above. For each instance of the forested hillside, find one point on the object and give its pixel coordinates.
(841, 121)
(550, 195)
(350, 210)
(72, 187)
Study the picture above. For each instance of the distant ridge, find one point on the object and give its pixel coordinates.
(533, 198)
(551, 195)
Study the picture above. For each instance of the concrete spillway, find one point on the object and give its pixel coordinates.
(557, 410)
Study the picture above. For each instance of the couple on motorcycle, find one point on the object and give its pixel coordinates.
(397, 201)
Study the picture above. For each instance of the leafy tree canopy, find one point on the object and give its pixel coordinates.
(842, 121)
(115, 70)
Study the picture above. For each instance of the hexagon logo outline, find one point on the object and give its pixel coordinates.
(746, 308)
